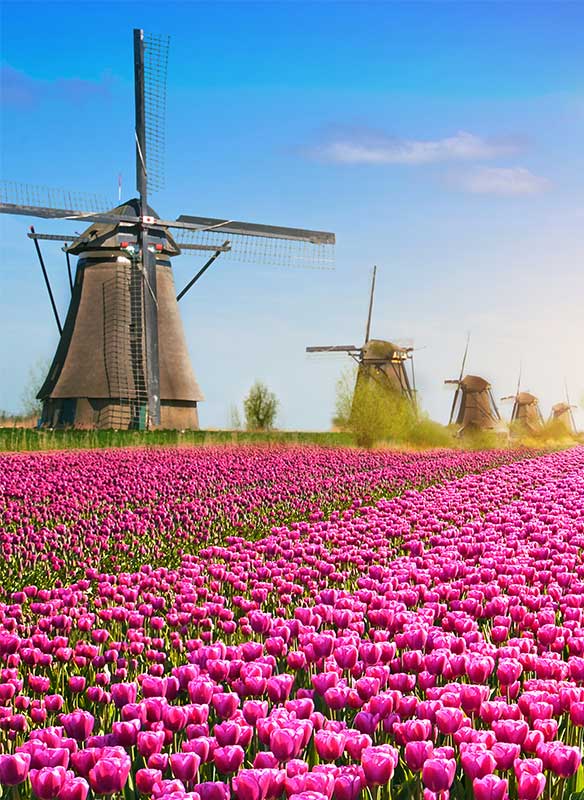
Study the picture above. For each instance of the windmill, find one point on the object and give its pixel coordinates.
(379, 360)
(563, 413)
(473, 405)
(122, 359)
(526, 412)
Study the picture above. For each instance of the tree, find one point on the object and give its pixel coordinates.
(31, 406)
(371, 412)
(234, 418)
(260, 407)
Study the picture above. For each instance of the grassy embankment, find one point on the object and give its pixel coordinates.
(24, 439)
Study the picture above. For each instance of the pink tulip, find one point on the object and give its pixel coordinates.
(530, 786)
(251, 784)
(78, 724)
(185, 766)
(14, 768)
(147, 779)
(490, 787)
(150, 742)
(47, 782)
(379, 764)
(213, 791)
(228, 759)
(348, 785)
(505, 754)
(416, 754)
(74, 789)
(109, 775)
(438, 774)
(329, 745)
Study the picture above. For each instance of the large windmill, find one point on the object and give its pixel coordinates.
(379, 360)
(526, 412)
(473, 405)
(122, 358)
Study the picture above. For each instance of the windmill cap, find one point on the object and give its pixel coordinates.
(561, 408)
(474, 383)
(105, 234)
(526, 398)
(379, 348)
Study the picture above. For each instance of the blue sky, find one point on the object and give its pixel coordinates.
(441, 141)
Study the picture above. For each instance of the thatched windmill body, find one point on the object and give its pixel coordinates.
(563, 414)
(379, 360)
(526, 411)
(473, 405)
(122, 359)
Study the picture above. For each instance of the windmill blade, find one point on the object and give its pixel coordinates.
(458, 382)
(570, 407)
(254, 229)
(336, 348)
(519, 378)
(464, 357)
(259, 244)
(414, 379)
(454, 399)
(73, 214)
(150, 71)
(41, 201)
(493, 404)
(368, 326)
(52, 237)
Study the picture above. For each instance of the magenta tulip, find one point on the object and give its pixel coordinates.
(109, 775)
(438, 774)
(47, 782)
(14, 768)
(379, 764)
(490, 787)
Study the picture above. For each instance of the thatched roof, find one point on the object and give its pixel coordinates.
(474, 383)
(381, 349)
(526, 399)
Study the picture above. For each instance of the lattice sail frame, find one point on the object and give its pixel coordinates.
(34, 196)
(266, 251)
(155, 72)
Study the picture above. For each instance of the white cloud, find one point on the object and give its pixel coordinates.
(508, 181)
(367, 148)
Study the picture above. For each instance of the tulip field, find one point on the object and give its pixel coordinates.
(292, 623)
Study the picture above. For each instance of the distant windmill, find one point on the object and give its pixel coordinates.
(526, 412)
(563, 413)
(379, 360)
(473, 406)
(122, 359)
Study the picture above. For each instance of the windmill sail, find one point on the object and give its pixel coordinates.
(260, 244)
(458, 382)
(368, 327)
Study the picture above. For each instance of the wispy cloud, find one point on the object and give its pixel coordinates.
(510, 181)
(366, 147)
(19, 90)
